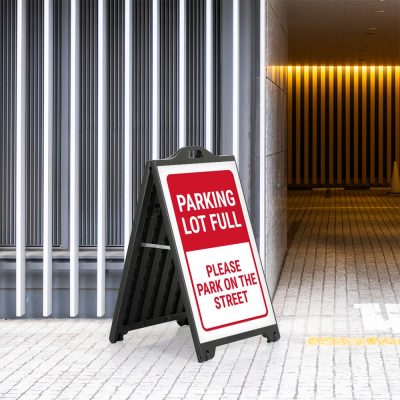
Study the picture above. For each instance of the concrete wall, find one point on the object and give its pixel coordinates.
(276, 39)
(275, 140)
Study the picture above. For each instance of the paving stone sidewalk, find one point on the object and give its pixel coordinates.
(343, 261)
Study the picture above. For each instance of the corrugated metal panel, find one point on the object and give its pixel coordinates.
(34, 123)
(141, 90)
(7, 121)
(142, 60)
(169, 76)
(115, 142)
(80, 96)
(58, 78)
(195, 72)
(88, 123)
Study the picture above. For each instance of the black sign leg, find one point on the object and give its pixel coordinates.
(182, 321)
(118, 329)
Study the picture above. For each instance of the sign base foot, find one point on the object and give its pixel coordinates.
(205, 355)
(272, 334)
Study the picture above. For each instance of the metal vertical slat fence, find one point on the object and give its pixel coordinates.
(127, 144)
(182, 74)
(20, 213)
(102, 148)
(209, 78)
(47, 157)
(110, 84)
(155, 79)
(74, 158)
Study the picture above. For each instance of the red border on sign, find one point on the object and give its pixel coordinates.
(230, 323)
(254, 263)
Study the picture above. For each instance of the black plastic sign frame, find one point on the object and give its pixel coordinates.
(192, 256)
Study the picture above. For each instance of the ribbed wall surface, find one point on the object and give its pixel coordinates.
(34, 123)
(115, 142)
(195, 72)
(81, 294)
(344, 125)
(169, 76)
(141, 90)
(141, 108)
(59, 72)
(7, 121)
(88, 123)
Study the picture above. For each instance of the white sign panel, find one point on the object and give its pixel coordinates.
(215, 242)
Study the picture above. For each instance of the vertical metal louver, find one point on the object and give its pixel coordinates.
(88, 123)
(141, 107)
(115, 142)
(7, 121)
(169, 77)
(195, 73)
(141, 101)
(34, 123)
(60, 99)
(73, 64)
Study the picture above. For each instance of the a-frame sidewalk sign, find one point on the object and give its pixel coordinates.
(192, 255)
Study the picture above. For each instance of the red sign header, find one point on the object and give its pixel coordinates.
(207, 209)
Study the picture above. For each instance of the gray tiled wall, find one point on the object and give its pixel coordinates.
(275, 140)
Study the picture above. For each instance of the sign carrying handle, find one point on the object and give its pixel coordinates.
(187, 155)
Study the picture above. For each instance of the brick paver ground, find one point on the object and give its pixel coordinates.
(337, 308)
